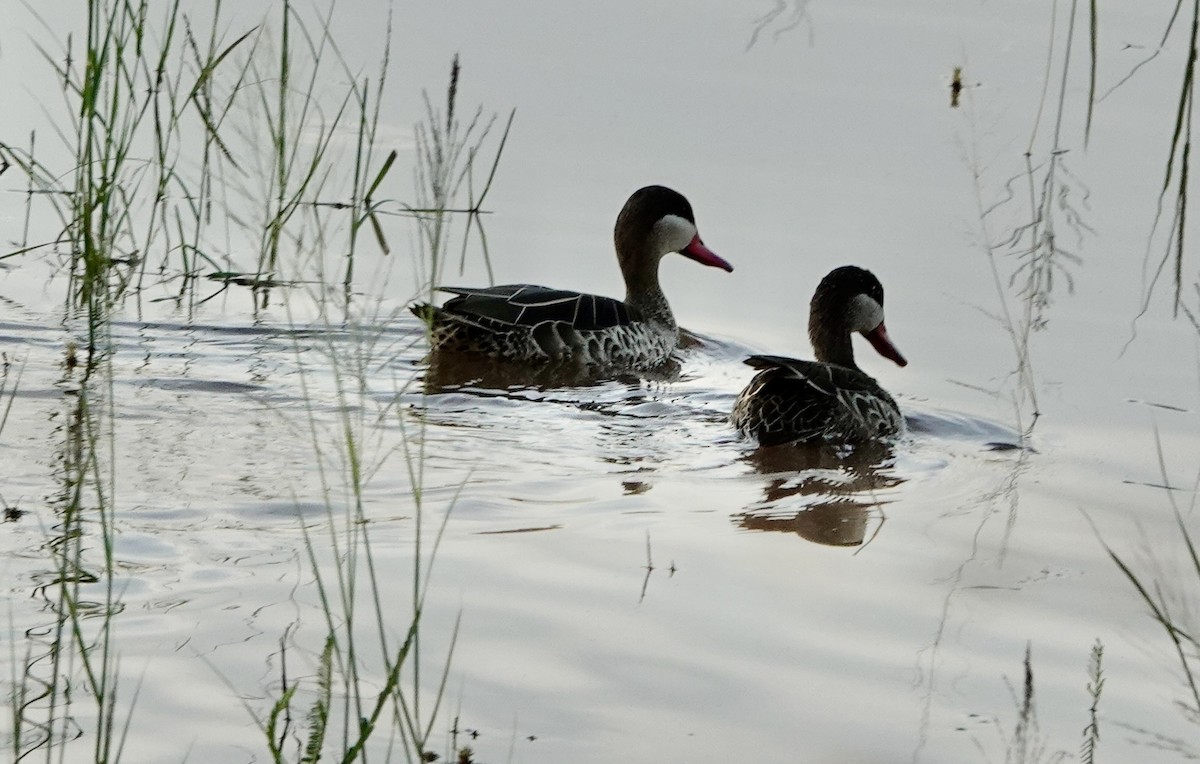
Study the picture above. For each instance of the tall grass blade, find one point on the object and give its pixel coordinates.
(383, 171)
(1162, 616)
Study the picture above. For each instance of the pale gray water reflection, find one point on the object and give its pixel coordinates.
(593, 546)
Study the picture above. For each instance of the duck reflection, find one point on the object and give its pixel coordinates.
(461, 372)
(824, 494)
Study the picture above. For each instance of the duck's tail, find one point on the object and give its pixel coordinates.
(424, 311)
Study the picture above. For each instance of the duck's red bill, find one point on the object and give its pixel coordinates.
(878, 337)
(702, 254)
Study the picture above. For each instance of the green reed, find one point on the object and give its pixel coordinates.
(347, 704)
(369, 691)
(111, 207)
(367, 684)
(115, 183)
(164, 117)
(188, 159)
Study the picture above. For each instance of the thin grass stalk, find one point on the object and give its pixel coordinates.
(212, 112)
(280, 134)
(1093, 35)
(347, 668)
(1182, 198)
(12, 394)
(1095, 686)
(437, 155)
(353, 745)
(415, 725)
(439, 147)
(418, 536)
(1049, 66)
(295, 176)
(364, 186)
(356, 533)
(1007, 321)
(1036, 243)
(339, 654)
(345, 650)
(29, 189)
(1023, 730)
(105, 489)
(199, 204)
(476, 207)
(160, 87)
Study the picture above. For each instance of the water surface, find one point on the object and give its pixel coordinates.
(635, 581)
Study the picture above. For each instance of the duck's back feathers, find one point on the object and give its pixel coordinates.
(792, 400)
(528, 305)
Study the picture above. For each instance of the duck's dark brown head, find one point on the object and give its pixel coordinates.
(849, 299)
(656, 221)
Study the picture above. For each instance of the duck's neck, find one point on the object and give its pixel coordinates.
(642, 290)
(831, 341)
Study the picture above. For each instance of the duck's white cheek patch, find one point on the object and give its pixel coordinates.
(864, 314)
(672, 233)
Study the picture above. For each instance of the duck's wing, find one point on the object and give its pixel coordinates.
(823, 378)
(528, 305)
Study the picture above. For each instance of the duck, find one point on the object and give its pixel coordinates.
(829, 400)
(536, 324)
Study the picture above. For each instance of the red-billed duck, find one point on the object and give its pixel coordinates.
(829, 400)
(522, 322)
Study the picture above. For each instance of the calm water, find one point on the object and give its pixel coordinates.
(864, 607)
